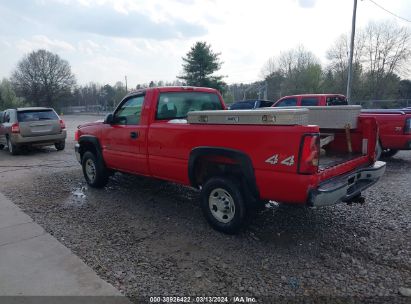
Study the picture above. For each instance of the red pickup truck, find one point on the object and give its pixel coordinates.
(236, 166)
(394, 125)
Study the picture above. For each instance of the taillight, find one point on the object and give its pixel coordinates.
(407, 128)
(62, 124)
(15, 128)
(309, 154)
(76, 135)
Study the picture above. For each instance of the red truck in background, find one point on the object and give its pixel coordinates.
(394, 125)
(237, 167)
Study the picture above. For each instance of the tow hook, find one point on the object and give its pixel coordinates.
(358, 199)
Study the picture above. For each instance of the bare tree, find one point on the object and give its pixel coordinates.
(381, 51)
(387, 50)
(42, 78)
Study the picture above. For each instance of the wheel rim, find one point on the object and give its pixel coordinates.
(90, 169)
(221, 205)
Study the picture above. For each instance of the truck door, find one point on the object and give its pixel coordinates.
(123, 141)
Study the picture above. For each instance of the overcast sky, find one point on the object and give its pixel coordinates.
(145, 40)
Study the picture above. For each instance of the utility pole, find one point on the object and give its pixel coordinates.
(125, 77)
(349, 80)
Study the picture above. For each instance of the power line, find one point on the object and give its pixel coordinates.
(395, 15)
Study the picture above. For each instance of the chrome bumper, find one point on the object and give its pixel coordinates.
(77, 151)
(344, 188)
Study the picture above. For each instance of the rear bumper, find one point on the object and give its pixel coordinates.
(343, 188)
(44, 140)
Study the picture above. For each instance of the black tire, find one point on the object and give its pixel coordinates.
(13, 149)
(386, 153)
(60, 145)
(94, 171)
(1, 146)
(228, 216)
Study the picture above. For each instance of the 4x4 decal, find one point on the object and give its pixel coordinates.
(273, 160)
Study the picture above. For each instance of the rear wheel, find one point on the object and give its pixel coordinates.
(60, 145)
(94, 171)
(386, 153)
(223, 205)
(12, 147)
(1, 146)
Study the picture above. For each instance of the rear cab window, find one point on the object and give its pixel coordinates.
(309, 101)
(287, 102)
(176, 105)
(36, 115)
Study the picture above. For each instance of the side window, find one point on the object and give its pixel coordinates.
(309, 101)
(130, 111)
(336, 101)
(288, 102)
(6, 116)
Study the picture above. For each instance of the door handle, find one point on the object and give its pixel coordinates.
(134, 135)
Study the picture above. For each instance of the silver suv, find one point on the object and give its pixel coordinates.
(31, 127)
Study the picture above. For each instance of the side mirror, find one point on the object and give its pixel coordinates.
(109, 119)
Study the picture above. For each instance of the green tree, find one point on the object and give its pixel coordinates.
(199, 67)
(8, 98)
(405, 89)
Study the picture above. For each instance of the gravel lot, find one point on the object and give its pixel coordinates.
(148, 237)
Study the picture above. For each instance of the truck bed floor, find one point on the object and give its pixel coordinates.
(332, 159)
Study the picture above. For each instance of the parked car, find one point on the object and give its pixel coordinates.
(394, 124)
(23, 127)
(238, 160)
(250, 104)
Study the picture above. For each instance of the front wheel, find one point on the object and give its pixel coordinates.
(223, 205)
(94, 171)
